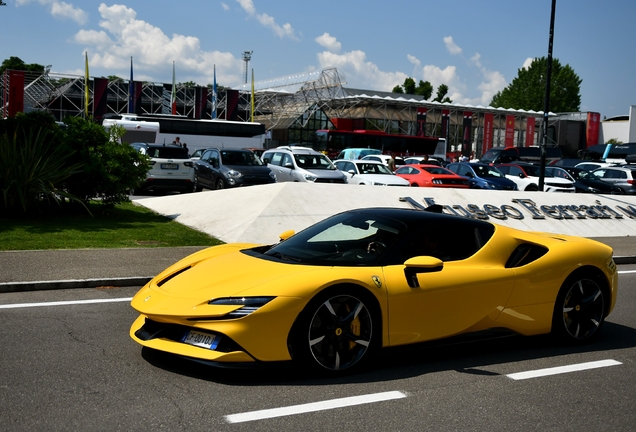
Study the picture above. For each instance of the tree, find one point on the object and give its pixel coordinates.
(527, 90)
(441, 97)
(16, 63)
(424, 89)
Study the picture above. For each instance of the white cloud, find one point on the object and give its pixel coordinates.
(361, 73)
(285, 30)
(225, 6)
(123, 36)
(60, 10)
(329, 42)
(493, 81)
(527, 63)
(452, 46)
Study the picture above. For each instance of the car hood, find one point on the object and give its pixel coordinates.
(185, 288)
(244, 169)
(325, 173)
(499, 181)
(383, 178)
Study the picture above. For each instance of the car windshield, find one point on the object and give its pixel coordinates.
(535, 171)
(313, 161)
(168, 152)
(347, 239)
(436, 170)
(486, 171)
(242, 158)
(369, 168)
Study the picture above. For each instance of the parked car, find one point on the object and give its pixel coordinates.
(384, 159)
(302, 164)
(357, 153)
(623, 177)
(427, 160)
(171, 168)
(591, 166)
(431, 176)
(584, 181)
(482, 176)
(222, 168)
(367, 172)
(526, 176)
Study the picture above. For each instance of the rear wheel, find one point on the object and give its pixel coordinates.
(579, 310)
(336, 332)
(532, 188)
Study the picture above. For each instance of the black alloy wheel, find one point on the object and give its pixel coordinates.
(337, 332)
(220, 184)
(579, 310)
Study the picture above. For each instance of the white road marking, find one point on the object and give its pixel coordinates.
(312, 407)
(563, 369)
(626, 271)
(64, 303)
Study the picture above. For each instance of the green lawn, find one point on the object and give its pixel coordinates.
(124, 226)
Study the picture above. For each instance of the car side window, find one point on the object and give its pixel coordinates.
(287, 160)
(275, 158)
(214, 158)
(206, 155)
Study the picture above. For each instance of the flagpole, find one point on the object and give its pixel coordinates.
(131, 90)
(173, 98)
(214, 96)
(252, 110)
(86, 93)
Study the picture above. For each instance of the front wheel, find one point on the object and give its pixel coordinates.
(579, 310)
(335, 332)
(220, 184)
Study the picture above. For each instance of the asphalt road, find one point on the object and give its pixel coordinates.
(72, 366)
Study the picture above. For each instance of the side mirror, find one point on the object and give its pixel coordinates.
(352, 172)
(285, 235)
(420, 264)
(289, 165)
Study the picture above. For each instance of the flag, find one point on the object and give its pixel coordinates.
(214, 95)
(252, 110)
(173, 96)
(86, 92)
(131, 90)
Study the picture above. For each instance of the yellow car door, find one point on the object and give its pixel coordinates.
(438, 299)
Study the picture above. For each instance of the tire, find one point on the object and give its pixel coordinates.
(220, 184)
(196, 187)
(336, 332)
(414, 185)
(532, 188)
(579, 310)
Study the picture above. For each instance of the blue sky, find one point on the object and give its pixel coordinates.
(475, 47)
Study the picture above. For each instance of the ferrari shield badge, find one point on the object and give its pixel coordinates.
(377, 281)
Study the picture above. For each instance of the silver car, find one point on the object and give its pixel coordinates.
(623, 177)
(302, 164)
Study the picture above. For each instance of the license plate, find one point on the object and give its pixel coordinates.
(170, 166)
(203, 340)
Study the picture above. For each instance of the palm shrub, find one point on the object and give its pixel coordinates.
(34, 165)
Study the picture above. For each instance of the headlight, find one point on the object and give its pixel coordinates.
(310, 177)
(234, 174)
(272, 175)
(250, 304)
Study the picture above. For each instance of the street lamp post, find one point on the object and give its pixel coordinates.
(546, 105)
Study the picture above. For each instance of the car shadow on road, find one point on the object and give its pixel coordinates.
(472, 354)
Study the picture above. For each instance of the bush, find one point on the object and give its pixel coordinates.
(110, 169)
(34, 165)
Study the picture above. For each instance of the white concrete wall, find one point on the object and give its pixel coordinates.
(260, 213)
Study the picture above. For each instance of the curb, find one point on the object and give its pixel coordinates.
(7, 287)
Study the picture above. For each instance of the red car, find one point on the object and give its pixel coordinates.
(431, 176)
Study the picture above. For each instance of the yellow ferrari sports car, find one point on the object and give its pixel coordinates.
(335, 293)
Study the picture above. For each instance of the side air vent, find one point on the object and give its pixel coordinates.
(525, 254)
(175, 274)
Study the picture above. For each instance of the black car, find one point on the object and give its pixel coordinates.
(221, 168)
(584, 180)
